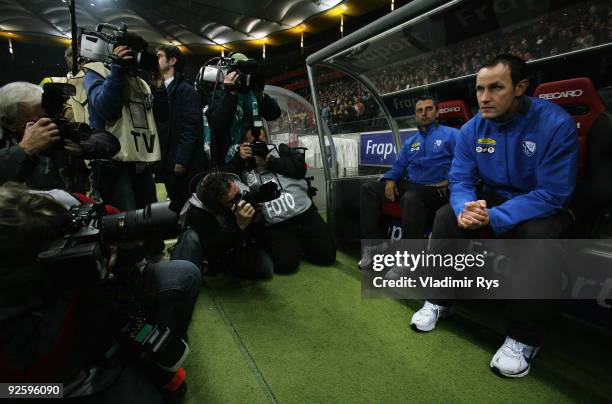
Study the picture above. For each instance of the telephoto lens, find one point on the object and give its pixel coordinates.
(154, 220)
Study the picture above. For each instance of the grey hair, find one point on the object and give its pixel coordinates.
(19, 92)
(27, 220)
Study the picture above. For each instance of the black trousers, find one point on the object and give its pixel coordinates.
(178, 190)
(304, 236)
(127, 186)
(528, 320)
(419, 203)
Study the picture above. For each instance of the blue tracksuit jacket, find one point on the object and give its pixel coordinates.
(531, 160)
(426, 156)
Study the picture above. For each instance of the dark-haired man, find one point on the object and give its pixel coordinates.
(523, 151)
(181, 131)
(219, 228)
(418, 178)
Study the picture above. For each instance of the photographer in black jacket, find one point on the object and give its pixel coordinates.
(59, 324)
(230, 108)
(32, 149)
(221, 228)
(294, 229)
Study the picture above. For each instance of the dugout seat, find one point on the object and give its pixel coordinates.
(453, 113)
(592, 200)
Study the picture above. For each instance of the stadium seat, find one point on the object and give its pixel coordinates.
(453, 113)
(579, 97)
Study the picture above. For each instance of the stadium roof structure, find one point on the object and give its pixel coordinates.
(190, 23)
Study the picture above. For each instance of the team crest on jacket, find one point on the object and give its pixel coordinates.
(437, 143)
(529, 147)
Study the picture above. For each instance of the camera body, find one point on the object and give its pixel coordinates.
(98, 46)
(259, 149)
(265, 193)
(79, 256)
(215, 73)
(55, 95)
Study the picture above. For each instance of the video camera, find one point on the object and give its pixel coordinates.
(54, 97)
(79, 256)
(265, 193)
(215, 72)
(98, 46)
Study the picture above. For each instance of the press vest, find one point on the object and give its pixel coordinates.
(135, 128)
(294, 194)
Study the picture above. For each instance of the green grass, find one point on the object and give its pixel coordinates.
(310, 337)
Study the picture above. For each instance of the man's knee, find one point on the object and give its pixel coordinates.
(177, 277)
(444, 219)
(412, 200)
(287, 264)
(325, 256)
(370, 190)
(544, 228)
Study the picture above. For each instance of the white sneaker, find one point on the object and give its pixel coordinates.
(368, 252)
(513, 358)
(426, 318)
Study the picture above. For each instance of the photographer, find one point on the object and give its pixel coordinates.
(230, 109)
(34, 151)
(58, 324)
(220, 228)
(120, 102)
(294, 228)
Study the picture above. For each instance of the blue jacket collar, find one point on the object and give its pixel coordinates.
(429, 128)
(521, 113)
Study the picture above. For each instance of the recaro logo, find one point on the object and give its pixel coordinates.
(450, 109)
(561, 94)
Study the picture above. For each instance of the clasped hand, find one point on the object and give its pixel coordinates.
(474, 215)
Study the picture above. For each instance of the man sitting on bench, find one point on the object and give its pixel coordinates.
(418, 178)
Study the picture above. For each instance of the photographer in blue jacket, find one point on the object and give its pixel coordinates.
(513, 174)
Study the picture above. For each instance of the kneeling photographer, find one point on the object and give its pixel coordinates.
(294, 228)
(41, 148)
(236, 100)
(71, 313)
(222, 228)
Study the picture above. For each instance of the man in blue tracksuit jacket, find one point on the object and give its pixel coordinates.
(419, 177)
(514, 173)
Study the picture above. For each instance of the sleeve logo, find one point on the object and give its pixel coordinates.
(529, 147)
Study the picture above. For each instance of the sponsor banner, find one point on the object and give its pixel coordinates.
(377, 148)
(489, 269)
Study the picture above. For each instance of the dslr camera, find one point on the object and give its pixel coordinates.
(78, 259)
(265, 193)
(216, 69)
(258, 147)
(79, 256)
(54, 97)
(98, 46)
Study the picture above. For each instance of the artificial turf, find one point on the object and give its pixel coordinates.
(310, 337)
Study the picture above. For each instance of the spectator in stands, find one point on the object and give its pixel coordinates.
(527, 199)
(181, 134)
(418, 178)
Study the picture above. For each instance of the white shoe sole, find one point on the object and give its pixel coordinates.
(498, 372)
(444, 314)
(416, 328)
